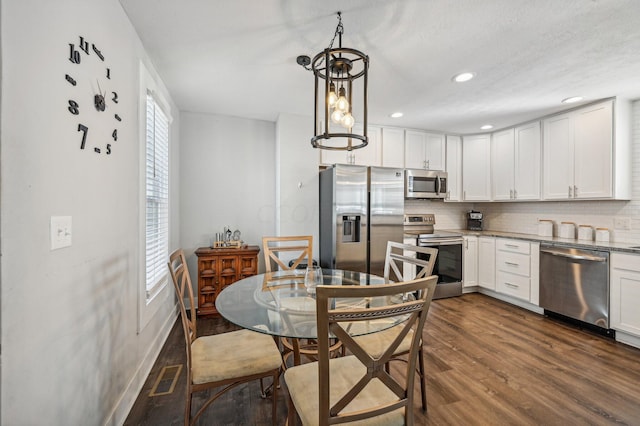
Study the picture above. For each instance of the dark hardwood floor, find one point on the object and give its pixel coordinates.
(488, 362)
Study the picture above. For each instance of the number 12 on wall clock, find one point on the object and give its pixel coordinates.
(93, 99)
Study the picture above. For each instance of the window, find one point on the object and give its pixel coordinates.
(157, 197)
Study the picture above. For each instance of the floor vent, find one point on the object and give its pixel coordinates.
(166, 381)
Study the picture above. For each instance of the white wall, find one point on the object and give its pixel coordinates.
(523, 217)
(72, 351)
(227, 178)
(297, 179)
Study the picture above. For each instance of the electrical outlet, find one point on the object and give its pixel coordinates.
(60, 232)
(622, 223)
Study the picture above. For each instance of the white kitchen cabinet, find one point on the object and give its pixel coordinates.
(392, 147)
(470, 261)
(625, 297)
(367, 156)
(527, 162)
(424, 150)
(476, 168)
(515, 163)
(502, 171)
(487, 262)
(517, 269)
(454, 168)
(409, 269)
(582, 160)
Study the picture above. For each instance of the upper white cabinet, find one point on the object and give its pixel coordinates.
(476, 168)
(423, 150)
(392, 147)
(582, 160)
(367, 156)
(454, 168)
(515, 162)
(502, 158)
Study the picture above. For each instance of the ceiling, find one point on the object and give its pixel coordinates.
(238, 57)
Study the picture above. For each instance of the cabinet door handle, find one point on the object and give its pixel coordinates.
(515, 194)
(575, 191)
(511, 285)
(511, 245)
(511, 194)
(570, 191)
(511, 264)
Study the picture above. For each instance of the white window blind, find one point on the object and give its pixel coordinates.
(157, 197)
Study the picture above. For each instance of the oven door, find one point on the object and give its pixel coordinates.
(448, 266)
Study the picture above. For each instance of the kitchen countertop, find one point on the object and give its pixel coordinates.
(583, 244)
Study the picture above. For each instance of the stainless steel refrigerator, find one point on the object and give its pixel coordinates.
(361, 208)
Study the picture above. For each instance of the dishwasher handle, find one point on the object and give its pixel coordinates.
(574, 255)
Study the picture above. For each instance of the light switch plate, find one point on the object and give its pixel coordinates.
(60, 232)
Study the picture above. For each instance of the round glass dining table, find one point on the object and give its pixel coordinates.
(278, 303)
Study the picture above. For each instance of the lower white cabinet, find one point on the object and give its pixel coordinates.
(409, 269)
(470, 261)
(517, 269)
(487, 262)
(625, 293)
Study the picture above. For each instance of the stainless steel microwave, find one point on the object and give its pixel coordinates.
(425, 184)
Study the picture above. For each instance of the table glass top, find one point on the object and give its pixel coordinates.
(277, 303)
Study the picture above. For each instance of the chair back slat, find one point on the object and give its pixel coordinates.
(182, 284)
(294, 248)
(337, 320)
(399, 255)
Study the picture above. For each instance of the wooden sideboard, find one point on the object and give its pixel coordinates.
(220, 267)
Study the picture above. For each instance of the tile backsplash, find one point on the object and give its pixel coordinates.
(621, 217)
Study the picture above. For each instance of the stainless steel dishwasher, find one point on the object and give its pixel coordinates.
(575, 283)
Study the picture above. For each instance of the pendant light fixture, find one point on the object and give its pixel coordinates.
(339, 73)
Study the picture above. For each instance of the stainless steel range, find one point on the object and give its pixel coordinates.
(448, 264)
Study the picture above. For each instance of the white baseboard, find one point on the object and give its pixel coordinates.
(130, 394)
(513, 300)
(627, 339)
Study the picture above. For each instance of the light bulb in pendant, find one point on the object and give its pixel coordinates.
(342, 104)
(348, 121)
(332, 98)
(336, 116)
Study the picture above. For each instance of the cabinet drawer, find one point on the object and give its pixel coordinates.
(513, 285)
(514, 263)
(630, 262)
(513, 246)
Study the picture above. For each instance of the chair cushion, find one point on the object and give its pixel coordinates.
(235, 354)
(375, 343)
(302, 382)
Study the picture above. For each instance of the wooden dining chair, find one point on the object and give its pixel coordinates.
(227, 359)
(404, 255)
(279, 251)
(288, 253)
(358, 387)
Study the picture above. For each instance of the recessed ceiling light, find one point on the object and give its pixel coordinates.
(572, 99)
(462, 77)
(396, 115)
(486, 127)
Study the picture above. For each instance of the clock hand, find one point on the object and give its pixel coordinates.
(100, 90)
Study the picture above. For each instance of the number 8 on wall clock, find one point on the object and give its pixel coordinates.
(93, 99)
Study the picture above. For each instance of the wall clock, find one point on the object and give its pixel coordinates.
(93, 99)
